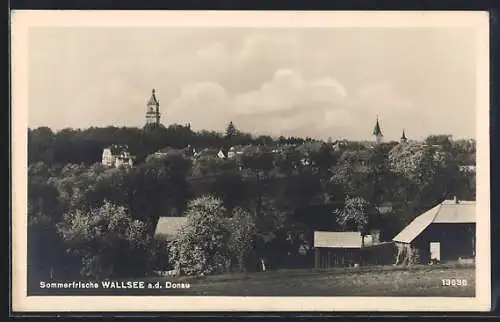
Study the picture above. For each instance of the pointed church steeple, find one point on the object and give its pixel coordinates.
(377, 132)
(403, 137)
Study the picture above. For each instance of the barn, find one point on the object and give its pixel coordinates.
(336, 249)
(444, 233)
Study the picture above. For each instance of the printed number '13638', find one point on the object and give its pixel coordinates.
(453, 282)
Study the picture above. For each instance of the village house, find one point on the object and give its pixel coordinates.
(446, 232)
(117, 156)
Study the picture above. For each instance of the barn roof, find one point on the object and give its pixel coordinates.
(449, 211)
(348, 239)
(168, 227)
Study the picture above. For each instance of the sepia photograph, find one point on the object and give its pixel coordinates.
(334, 161)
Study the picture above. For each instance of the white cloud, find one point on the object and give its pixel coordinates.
(250, 61)
(204, 105)
(261, 47)
(215, 53)
(289, 90)
(289, 104)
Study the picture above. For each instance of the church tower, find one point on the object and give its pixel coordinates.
(377, 132)
(403, 138)
(153, 110)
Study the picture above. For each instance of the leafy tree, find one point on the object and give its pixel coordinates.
(443, 140)
(231, 188)
(408, 160)
(210, 165)
(201, 247)
(259, 161)
(322, 159)
(231, 131)
(108, 242)
(159, 187)
(354, 215)
(243, 232)
(41, 145)
(382, 180)
(46, 255)
(112, 185)
(288, 161)
(466, 186)
(74, 183)
(352, 174)
(269, 222)
(264, 140)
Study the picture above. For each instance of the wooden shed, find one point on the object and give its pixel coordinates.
(333, 249)
(445, 232)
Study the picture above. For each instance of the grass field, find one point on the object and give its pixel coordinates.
(370, 281)
(364, 281)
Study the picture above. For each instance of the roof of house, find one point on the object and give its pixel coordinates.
(168, 227)
(348, 239)
(449, 211)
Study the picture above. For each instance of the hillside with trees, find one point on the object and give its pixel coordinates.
(89, 220)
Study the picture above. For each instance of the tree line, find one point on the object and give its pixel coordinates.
(89, 220)
(85, 146)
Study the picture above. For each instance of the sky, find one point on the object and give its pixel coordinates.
(321, 83)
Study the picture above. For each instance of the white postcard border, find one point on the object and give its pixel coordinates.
(23, 20)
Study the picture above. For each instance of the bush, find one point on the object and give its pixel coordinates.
(108, 241)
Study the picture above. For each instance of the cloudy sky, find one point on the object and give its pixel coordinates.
(303, 82)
